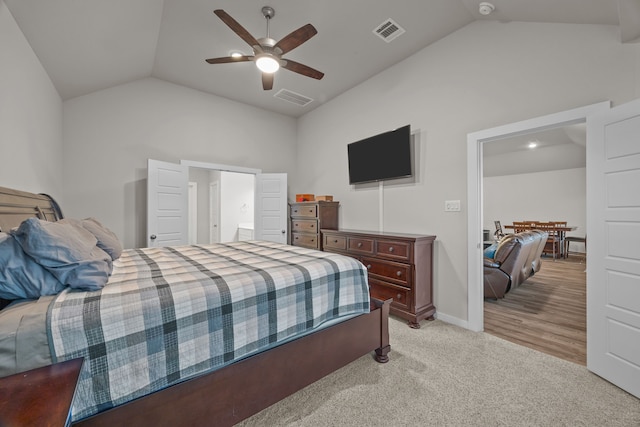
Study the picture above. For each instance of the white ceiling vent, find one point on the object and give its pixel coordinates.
(388, 30)
(294, 98)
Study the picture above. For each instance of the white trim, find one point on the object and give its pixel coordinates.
(475, 298)
(216, 166)
(193, 212)
(452, 320)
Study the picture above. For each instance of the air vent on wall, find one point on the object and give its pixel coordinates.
(388, 30)
(294, 98)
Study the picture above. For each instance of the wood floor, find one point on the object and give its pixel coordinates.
(547, 312)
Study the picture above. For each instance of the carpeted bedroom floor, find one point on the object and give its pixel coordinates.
(445, 375)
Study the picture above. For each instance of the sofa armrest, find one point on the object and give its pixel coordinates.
(488, 262)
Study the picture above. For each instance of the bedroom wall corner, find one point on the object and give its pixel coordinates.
(110, 134)
(30, 116)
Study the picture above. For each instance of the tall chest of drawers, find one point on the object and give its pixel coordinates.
(400, 266)
(307, 218)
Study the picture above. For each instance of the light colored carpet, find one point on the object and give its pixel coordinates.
(444, 375)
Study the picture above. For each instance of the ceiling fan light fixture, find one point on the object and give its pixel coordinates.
(267, 63)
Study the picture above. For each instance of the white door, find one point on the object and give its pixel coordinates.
(271, 207)
(167, 204)
(613, 246)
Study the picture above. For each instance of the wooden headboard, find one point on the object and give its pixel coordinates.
(16, 206)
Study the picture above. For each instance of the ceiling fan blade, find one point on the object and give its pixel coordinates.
(228, 59)
(237, 28)
(267, 81)
(299, 68)
(296, 38)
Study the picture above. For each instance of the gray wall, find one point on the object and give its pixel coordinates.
(30, 117)
(540, 196)
(119, 128)
(484, 75)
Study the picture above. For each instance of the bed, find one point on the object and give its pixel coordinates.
(185, 335)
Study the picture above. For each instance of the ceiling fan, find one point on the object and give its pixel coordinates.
(267, 53)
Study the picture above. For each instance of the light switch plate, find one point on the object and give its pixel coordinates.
(452, 206)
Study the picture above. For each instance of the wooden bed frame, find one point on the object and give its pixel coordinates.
(242, 389)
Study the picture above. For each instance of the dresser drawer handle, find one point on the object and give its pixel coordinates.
(295, 211)
(359, 244)
(310, 210)
(399, 273)
(390, 248)
(399, 296)
(335, 241)
(368, 266)
(311, 225)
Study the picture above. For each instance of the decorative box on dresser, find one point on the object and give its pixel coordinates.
(400, 267)
(307, 218)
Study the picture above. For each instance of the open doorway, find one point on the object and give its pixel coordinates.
(475, 147)
(168, 203)
(224, 205)
(540, 176)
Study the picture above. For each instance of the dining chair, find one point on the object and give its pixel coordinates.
(520, 226)
(498, 234)
(553, 239)
(575, 239)
(561, 234)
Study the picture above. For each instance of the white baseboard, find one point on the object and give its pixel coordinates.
(452, 320)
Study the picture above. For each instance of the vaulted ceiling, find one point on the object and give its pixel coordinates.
(91, 45)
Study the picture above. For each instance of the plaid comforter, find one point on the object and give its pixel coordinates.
(171, 313)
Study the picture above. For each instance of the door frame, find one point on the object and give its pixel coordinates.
(475, 141)
(222, 168)
(193, 212)
(214, 208)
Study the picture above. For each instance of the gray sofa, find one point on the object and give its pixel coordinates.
(517, 258)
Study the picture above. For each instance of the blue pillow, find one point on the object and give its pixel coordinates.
(67, 250)
(20, 276)
(107, 239)
(490, 252)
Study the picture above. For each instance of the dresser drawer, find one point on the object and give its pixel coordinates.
(332, 241)
(304, 225)
(394, 250)
(382, 290)
(310, 211)
(393, 271)
(360, 245)
(305, 240)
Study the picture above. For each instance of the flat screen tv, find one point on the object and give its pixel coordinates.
(380, 157)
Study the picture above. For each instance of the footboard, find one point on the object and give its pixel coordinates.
(234, 393)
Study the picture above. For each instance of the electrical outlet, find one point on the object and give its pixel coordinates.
(452, 206)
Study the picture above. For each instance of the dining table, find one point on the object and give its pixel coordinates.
(561, 229)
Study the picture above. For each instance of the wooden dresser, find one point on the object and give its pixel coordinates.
(307, 218)
(400, 267)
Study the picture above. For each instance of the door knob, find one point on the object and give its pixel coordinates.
(283, 231)
(152, 237)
